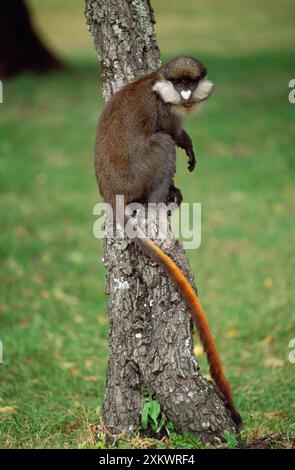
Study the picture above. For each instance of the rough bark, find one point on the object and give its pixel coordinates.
(20, 46)
(151, 341)
(124, 39)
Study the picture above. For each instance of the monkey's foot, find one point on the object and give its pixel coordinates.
(174, 195)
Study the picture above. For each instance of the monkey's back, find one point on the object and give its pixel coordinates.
(128, 122)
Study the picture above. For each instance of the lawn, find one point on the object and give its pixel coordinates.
(52, 306)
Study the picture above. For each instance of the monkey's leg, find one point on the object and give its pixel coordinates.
(185, 142)
(164, 151)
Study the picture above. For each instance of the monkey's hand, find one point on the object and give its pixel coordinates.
(191, 158)
(184, 141)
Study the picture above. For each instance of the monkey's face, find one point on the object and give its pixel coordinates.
(185, 87)
(191, 91)
(184, 92)
(183, 83)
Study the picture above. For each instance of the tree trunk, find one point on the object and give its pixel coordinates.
(151, 337)
(20, 47)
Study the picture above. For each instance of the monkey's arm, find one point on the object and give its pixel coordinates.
(184, 141)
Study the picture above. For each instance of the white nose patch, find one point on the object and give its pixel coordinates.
(186, 94)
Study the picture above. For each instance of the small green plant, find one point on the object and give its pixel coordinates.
(231, 441)
(99, 443)
(185, 441)
(152, 416)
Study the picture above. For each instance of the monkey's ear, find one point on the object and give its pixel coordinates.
(203, 90)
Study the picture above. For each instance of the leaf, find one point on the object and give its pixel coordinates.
(7, 410)
(232, 333)
(170, 426)
(268, 282)
(275, 414)
(273, 362)
(67, 365)
(88, 363)
(198, 350)
(145, 414)
(74, 371)
(91, 378)
(45, 294)
(267, 340)
(207, 377)
(155, 410)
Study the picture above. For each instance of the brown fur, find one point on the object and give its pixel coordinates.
(193, 68)
(131, 146)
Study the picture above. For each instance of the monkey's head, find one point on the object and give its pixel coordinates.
(183, 82)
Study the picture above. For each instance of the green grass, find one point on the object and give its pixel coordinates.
(52, 304)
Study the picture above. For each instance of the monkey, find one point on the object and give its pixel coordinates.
(135, 157)
(146, 137)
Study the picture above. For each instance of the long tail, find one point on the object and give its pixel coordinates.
(198, 314)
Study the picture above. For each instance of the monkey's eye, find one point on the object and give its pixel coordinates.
(179, 83)
(184, 83)
(193, 83)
